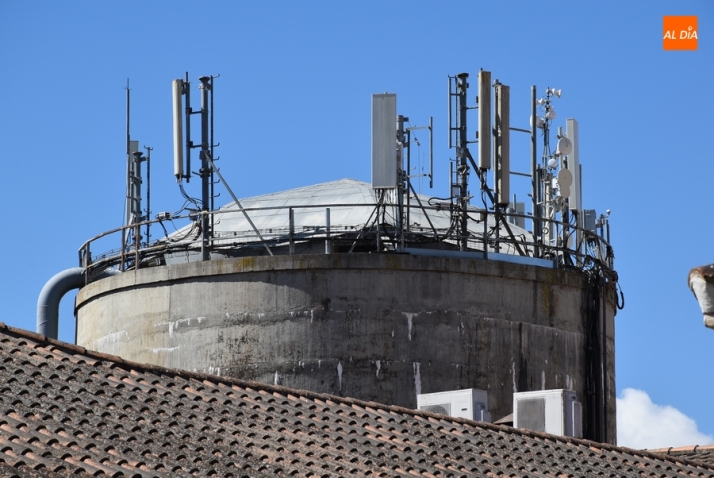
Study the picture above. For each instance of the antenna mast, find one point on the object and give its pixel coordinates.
(181, 88)
(132, 208)
(205, 170)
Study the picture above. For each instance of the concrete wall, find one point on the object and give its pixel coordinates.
(372, 326)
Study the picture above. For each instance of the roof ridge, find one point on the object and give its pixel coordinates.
(692, 448)
(201, 376)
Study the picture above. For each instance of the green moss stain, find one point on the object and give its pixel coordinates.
(391, 262)
(246, 263)
(546, 298)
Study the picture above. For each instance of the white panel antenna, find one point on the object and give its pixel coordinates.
(178, 128)
(384, 137)
(484, 119)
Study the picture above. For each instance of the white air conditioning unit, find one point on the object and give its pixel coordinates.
(551, 411)
(469, 403)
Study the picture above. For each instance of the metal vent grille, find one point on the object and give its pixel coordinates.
(531, 414)
(443, 408)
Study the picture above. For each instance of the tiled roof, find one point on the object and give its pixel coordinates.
(68, 411)
(701, 454)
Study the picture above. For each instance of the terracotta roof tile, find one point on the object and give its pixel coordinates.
(68, 411)
(701, 454)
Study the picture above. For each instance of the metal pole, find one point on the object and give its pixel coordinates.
(604, 361)
(535, 177)
(291, 232)
(403, 175)
(189, 143)
(136, 247)
(328, 243)
(496, 154)
(461, 154)
(205, 171)
(409, 181)
(210, 139)
(148, 195)
(127, 201)
(123, 246)
(431, 152)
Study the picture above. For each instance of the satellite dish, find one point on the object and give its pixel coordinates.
(550, 114)
(565, 146)
(552, 163)
(538, 122)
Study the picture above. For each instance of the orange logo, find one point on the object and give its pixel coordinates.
(680, 33)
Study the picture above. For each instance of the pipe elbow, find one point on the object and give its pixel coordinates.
(51, 294)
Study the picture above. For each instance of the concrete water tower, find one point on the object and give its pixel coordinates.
(375, 291)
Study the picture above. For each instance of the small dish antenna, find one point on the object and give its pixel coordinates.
(565, 180)
(565, 146)
(550, 114)
(538, 122)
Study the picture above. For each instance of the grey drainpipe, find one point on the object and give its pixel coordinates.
(49, 300)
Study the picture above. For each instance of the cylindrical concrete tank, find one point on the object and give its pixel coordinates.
(381, 327)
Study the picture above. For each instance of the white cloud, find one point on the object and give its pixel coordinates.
(643, 424)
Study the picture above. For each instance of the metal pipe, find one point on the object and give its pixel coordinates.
(245, 214)
(51, 294)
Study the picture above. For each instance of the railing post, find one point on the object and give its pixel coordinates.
(485, 233)
(136, 247)
(292, 231)
(328, 242)
(123, 249)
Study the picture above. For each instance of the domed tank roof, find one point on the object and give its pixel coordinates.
(352, 206)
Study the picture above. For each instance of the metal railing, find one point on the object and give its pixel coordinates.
(567, 245)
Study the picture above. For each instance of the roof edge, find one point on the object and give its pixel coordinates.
(200, 376)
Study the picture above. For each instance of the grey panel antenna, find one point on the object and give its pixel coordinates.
(484, 119)
(384, 137)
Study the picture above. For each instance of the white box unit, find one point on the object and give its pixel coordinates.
(552, 411)
(468, 403)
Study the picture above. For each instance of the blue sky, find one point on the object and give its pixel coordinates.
(293, 109)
